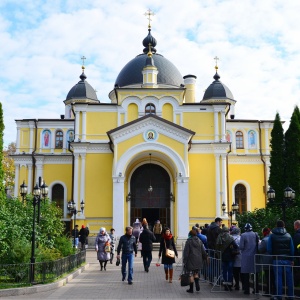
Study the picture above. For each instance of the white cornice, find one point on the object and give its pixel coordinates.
(212, 148)
(245, 159)
(147, 124)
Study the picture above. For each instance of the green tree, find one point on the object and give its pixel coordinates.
(292, 154)
(276, 178)
(8, 165)
(2, 188)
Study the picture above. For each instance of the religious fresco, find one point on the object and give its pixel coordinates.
(46, 138)
(70, 136)
(228, 136)
(252, 139)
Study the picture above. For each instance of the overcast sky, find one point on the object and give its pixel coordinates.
(258, 43)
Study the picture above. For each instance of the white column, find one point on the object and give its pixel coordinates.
(29, 179)
(82, 179)
(77, 125)
(218, 203)
(84, 126)
(223, 126)
(31, 132)
(75, 192)
(39, 171)
(182, 200)
(18, 141)
(118, 205)
(267, 142)
(216, 124)
(224, 179)
(17, 174)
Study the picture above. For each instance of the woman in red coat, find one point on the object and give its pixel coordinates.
(167, 242)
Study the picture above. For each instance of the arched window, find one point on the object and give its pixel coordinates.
(59, 139)
(240, 195)
(239, 139)
(150, 109)
(58, 195)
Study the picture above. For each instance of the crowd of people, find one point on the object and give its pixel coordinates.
(240, 254)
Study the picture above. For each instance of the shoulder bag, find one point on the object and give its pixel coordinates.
(169, 253)
(184, 278)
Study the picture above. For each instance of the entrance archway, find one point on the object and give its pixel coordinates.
(153, 205)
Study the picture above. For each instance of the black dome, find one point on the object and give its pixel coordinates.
(218, 90)
(82, 90)
(132, 72)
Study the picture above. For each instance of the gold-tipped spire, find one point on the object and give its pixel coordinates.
(216, 66)
(83, 58)
(148, 14)
(149, 54)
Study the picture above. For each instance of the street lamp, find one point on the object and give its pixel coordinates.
(172, 198)
(35, 201)
(234, 210)
(72, 209)
(23, 190)
(44, 192)
(287, 201)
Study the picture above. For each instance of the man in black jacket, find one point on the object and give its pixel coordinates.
(146, 239)
(128, 245)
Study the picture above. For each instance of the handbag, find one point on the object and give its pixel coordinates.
(184, 278)
(107, 247)
(169, 253)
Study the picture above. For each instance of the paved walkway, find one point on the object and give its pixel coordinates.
(93, 284)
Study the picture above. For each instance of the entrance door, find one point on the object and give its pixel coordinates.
(153, 205)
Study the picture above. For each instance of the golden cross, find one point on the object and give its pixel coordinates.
(83, 58)
(148, 14)
(216, 59)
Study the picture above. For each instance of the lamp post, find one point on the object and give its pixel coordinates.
(73, 210)
(35, 201)
(234, 210)
(287, 201)
(44, 192)
(23, 190)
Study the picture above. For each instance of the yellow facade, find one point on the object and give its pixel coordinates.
(189, 149)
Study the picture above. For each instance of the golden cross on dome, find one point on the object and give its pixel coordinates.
(216, 59)
(148, 14)
(83, 58)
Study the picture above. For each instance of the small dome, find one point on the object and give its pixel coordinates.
(217, 90)
(149, 39)
(82, 90)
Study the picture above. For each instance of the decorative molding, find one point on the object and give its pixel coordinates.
(147, 124)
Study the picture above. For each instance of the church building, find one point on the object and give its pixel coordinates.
(153, 150)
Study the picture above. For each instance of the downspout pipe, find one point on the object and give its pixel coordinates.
(73, 158)
(227, 179)
(263, 161)
(33, 154)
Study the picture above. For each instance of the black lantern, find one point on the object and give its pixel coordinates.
(73, 211)
(287, 201)
(234, 210)
(23, 190)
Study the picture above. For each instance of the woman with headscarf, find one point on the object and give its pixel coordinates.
(167, 242)
(225, 243)
(248, 246)
(103, 253)
(83, 234)
(236, 234)
(193, 256)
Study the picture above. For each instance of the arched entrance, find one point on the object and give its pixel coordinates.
(153, 205)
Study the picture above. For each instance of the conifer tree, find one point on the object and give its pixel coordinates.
(2, 188)
(292, 153)
(276, 179)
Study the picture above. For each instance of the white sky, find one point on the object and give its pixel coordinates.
(258, 43)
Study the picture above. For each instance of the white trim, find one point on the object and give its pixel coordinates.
(169, 155)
